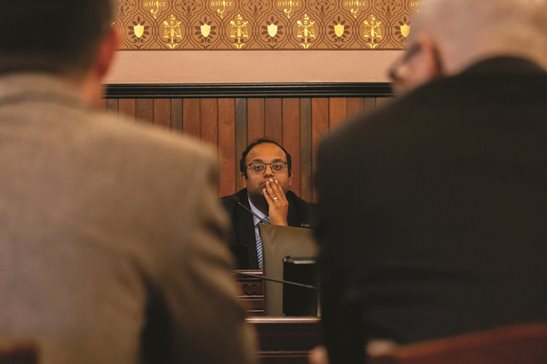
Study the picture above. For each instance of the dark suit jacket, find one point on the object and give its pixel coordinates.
(432, 213)
(243, 240)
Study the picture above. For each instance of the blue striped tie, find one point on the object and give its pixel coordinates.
(259, 251)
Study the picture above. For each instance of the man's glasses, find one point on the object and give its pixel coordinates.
(259, 167)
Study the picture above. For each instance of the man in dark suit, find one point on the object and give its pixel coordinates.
(112, 240)
(431, 220)
(265, 168)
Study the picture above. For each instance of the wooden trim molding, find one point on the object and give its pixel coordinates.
(334, 89)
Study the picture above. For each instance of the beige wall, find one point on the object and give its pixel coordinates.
(151, 67)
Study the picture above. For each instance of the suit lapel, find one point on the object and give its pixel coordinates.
(245, 228)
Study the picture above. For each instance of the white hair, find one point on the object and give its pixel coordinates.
(468, 30)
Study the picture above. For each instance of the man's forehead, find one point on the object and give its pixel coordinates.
(266, 151)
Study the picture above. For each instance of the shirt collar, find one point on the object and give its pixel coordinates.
(256, 211)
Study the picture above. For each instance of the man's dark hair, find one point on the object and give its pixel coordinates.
(242, 161)
(57, 36)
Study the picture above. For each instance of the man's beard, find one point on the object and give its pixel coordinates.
(258, 199)
(257, 196)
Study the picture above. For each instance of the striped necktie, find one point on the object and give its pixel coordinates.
(259, 251)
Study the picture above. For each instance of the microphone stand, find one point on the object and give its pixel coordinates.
(262, 220)
(278, 280)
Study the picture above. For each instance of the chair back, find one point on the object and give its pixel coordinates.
(279, 242)
(520, 344)
(24, 352)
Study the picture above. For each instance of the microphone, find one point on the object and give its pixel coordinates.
(262, 220)
(290, 283)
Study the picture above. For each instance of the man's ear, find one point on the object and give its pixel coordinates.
(105, 54)
(420, 64)
(429, 58)
(243, 180)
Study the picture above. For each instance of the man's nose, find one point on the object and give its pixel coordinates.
(268, 171)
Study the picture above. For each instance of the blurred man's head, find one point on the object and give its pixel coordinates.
(72, 39)
(447, 36)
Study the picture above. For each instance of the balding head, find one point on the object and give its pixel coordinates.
(469, 30)
(448, 36)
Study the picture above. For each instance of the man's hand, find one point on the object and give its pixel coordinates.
(318, 355)
(278, 206)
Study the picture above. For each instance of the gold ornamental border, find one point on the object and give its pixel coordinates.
(264, 24)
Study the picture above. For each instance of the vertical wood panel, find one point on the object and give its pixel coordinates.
(162, 112)
(241, 131)
(355, 106)
(112, 105)
(176, 114)
(191, 116)
(227, 147)
(291, 137)
(306, 189)
(255, 119)
(209, 121)
(370, 104)
(337, 111)
(144, 109)
(273, 119)
(231, 124)
(127, 107)
(320, 128)
(383, 101)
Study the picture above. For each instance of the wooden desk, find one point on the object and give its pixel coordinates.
(252, 291)
(282, 340)
(286, 340)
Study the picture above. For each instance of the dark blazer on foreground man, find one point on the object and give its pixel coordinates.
(242, 239)
(432, 214)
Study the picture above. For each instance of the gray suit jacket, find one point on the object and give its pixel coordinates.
(112, 241)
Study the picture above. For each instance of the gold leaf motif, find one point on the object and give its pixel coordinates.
(339, 30)
(205, 30)
(372, 31)
(272, 30)
(172, 31)
(415, 5)
(138, 30)
(275, 24)
(239, 31)
(154, 6)
(306, 31)
(405, 30)
(354, 6)
(221, 6)
(288, 6)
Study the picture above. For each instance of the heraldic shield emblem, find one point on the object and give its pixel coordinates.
(205, 30)
(339, 29)
(272, 30)
(138, 30)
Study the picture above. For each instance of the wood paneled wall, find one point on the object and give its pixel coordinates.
(229, 124)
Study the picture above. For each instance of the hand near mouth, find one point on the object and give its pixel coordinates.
(278, 206)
